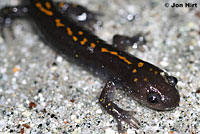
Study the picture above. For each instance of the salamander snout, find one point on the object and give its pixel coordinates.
(161, 101)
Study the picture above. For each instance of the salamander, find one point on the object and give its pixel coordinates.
(144, 82)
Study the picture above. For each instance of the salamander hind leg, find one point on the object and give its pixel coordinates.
(8, 14)
(106, 100)
(78, 13)
(122, 42)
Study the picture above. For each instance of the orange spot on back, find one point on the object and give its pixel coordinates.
(93, 45)
(75, 38)
(48, 5)
(135, 79)
(61, 4)
(124, 58)
(155, 72)
(69, 31)
(101, 100)
(80, 33)
(58, 23)
(42, 9)
(83, 41)
(134, 71)
(140, 64)
(104, 50)
(116, 54)
(145, 79)
(113, 53)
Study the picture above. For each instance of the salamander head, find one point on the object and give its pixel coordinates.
(160, 93)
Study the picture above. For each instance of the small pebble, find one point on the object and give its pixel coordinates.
(109, 131)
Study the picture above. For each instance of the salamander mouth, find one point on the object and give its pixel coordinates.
(161, 108)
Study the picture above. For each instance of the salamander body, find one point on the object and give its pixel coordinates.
(146, 83)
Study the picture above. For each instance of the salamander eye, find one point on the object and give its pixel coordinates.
(153, 98)
(172, 80)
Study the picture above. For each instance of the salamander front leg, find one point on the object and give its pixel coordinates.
(119, 114)
(8, 14)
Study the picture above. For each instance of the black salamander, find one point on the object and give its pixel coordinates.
(146, 83)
